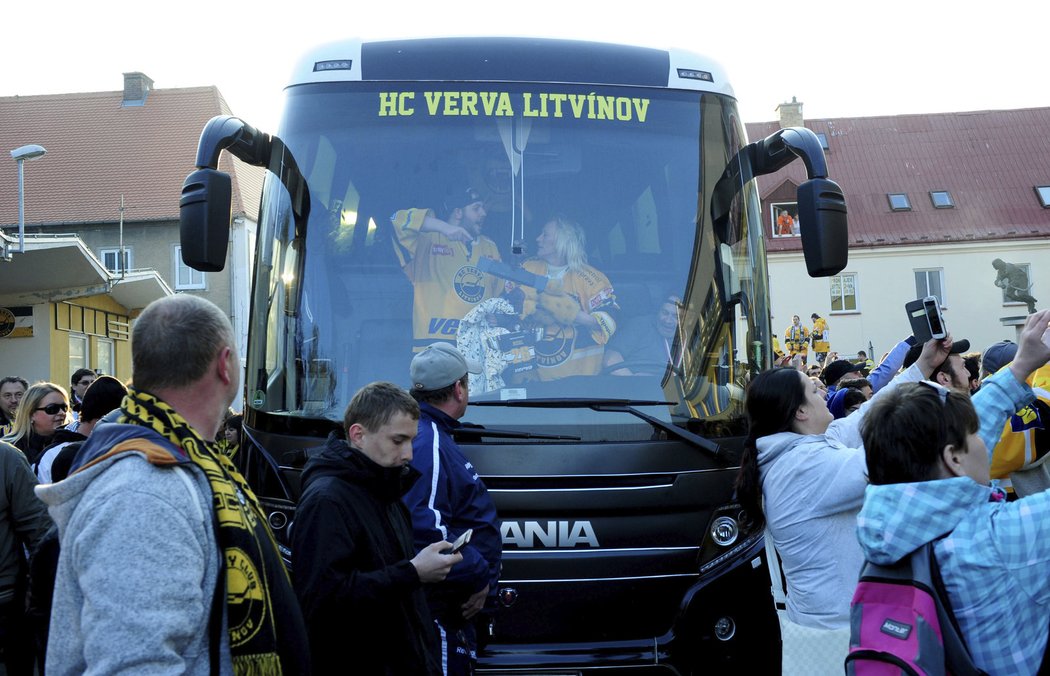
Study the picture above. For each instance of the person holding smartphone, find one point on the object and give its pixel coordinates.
(359, 580)
(449, 500)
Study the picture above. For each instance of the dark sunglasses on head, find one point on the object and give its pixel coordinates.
(52, 409)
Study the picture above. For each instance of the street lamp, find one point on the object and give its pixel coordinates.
(27, 152)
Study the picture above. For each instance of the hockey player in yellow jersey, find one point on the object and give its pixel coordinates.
(577, 308)
(440, 258)
(819, 337)
(796, 339)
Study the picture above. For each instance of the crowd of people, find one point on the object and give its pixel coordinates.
(845, 464)
(149, 552)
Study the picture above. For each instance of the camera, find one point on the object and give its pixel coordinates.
(926, 319)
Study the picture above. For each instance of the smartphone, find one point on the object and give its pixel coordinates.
(934, 317)
(926, 319)
(460, 542)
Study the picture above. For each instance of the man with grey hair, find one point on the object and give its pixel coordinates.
(167, 563)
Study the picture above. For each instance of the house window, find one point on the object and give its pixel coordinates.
(942, 199)
(784, 217)
(111, 259)
(823, 138)
(104, 356)
(185, 276)
(1012, 279)
(78, 352)
(844, 292)
(1043, 192)
(930, 283)
(899, 201)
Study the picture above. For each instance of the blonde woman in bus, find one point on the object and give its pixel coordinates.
(577, 308)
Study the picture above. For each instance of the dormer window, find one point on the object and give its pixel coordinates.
(942, 199)
(899, 201)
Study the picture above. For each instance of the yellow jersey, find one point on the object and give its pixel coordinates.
(820, 336)
(570, 350)
(446, 280)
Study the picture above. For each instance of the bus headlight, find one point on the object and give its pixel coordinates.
(724, 531)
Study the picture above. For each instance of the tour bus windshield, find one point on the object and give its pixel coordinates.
(561, 236)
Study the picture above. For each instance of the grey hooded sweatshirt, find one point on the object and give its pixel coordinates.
(812, 489)
(137, 571)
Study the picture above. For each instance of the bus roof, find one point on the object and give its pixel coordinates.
(510, 60)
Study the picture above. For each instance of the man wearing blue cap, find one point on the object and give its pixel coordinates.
(448, 500)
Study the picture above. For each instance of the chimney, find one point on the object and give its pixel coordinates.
(136, 87)
(790, 114)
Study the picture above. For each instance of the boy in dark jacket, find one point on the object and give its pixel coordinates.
(358, 580)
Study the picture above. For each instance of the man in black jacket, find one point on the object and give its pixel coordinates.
(358, 582)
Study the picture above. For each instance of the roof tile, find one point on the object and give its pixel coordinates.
(988, 160)
(98, 150)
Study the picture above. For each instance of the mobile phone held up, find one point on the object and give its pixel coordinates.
(926, 319)
(460, 542)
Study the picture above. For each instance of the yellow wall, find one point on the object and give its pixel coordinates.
(60, 369)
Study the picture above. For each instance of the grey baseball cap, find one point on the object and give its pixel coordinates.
(439, 365)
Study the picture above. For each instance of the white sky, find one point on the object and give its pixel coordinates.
(892, 57)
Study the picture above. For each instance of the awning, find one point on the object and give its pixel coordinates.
(61, 267)
(139, 288)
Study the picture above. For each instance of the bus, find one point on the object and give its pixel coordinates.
(623, 546)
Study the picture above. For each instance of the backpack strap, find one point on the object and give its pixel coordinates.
(956, 654)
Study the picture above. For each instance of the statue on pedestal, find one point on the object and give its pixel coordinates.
(1013, 280)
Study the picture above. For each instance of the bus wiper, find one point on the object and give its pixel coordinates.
(571, 402)
(469, 430)
(618, 406)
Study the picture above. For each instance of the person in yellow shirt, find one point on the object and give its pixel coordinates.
(796, 339)
(819, 337)
(577, 308)
(1018, 460)
(440, 258)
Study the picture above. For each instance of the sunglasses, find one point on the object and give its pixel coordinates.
(52, 409)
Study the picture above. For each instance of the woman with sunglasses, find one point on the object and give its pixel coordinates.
(43, 410)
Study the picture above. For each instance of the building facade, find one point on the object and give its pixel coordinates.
(932, 201)
(110, 181)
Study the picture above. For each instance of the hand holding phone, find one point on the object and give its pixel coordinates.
(460, 542)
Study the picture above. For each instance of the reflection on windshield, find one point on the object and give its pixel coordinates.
(555, 238)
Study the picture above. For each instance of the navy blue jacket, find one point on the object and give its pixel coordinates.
(448, 499)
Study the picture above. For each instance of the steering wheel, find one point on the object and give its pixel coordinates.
(638, 367)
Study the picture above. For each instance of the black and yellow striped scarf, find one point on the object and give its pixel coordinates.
(256, 581)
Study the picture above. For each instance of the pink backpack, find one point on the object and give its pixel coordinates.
(902, 623)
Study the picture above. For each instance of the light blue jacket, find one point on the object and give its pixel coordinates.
(995, 559)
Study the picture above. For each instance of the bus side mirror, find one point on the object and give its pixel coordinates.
(822, 220)
(204, 219)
